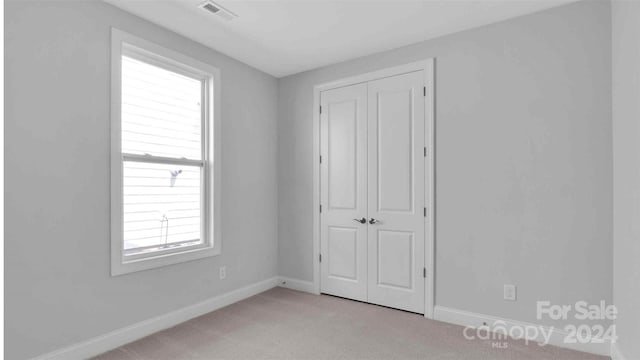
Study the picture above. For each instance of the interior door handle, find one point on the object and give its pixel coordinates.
(361, 221)
(373, 221)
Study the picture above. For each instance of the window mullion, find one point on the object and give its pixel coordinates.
(162, 160)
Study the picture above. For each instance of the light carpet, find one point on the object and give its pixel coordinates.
(287, 324)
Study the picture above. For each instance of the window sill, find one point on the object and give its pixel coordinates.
(119, 267)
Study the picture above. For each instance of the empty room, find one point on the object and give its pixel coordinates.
(316, 179)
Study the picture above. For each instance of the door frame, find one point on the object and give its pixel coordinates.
(427, 66)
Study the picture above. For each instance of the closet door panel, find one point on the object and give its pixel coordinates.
(343, 190)
(396, 175)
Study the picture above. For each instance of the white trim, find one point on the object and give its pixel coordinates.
(168, 60)
(428, 67)
(116, 338)
(315, 261)
(298, 285)
(430, 169)
(466, 318)
(378, 74)
(210, 163)
(615, 353)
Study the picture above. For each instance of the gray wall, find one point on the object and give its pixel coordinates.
(626, 174)
(523, 153)
(524, 185)
(57, 286)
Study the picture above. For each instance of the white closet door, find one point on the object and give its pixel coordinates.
(343, 190)
(396, 183)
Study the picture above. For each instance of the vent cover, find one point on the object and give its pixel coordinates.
(218, 10)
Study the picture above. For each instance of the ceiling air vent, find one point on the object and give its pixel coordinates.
(218, 10)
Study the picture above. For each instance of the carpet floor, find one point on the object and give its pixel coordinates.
(286, 324)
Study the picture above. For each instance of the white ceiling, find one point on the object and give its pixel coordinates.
(284, 37)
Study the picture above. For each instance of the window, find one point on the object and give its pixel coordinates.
(165, 156)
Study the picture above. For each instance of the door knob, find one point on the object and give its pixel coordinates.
(361, 221)
(373, 221)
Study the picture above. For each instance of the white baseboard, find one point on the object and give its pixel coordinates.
(615, 353)
(116, 338)
(465, 318)
(299, 285)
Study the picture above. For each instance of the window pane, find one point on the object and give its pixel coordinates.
(161, 205)
(161, 111)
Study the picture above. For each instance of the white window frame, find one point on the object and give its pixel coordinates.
(123, 43)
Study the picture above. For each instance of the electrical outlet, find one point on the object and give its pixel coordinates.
(223, 272)
(509, 292)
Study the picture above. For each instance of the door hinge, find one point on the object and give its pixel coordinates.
(424, 91)
(424, 272)
(320, 159)
(320, 257)
(320, 208)
(425, 151)
(320, 109)
(425, 212)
